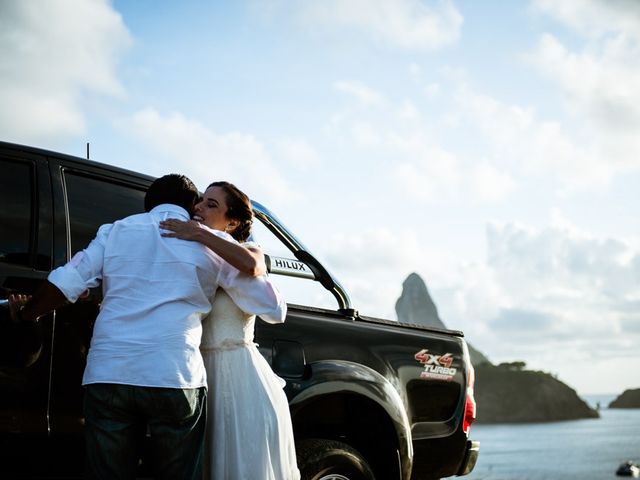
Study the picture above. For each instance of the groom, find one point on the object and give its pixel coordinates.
(144, 369)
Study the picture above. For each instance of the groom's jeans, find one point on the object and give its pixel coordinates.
(117, 418)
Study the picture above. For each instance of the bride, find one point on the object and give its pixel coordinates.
(249, 432)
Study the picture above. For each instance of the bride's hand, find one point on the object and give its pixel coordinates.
(181, 229)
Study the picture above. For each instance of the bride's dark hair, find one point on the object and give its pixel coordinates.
(238, 208)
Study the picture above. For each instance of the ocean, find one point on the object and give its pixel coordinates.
(575, 450)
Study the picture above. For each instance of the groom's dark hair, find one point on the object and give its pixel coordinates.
(173, 188)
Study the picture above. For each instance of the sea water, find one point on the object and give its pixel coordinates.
(590, 449)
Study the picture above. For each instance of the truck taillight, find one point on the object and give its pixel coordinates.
(470, 405)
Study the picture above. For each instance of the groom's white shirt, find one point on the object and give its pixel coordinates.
(156, 291)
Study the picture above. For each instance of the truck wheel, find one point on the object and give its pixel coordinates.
(331, 460)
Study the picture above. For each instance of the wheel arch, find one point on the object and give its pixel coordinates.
(353, 403)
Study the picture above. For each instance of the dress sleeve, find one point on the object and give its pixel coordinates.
(254, 295)
(258, 296)
(84, 270)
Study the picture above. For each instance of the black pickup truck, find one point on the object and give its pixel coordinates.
(369, 398)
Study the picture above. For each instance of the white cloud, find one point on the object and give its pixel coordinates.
(402, 138)
(467, 296)
(564, 263)
(412, 24)
(408, 111)
(491, 184)
(373, 249)
(600, 82)
(365, 135)
(364, 94)
(557, 281)
(53, 53)
(516, 137)
(594, 18)
(415, 71)
(426, 172)
(550, 296)
(599, 78)
(205, 155)
(373, 263)
(432, 90)
(298, 153)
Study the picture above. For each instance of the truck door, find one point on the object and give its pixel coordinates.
(25, 349)
(91, 196)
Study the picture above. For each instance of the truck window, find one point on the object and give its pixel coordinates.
(16, 214)
(93, 201)
(300, 291)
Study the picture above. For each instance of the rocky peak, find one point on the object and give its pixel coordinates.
(415, 304)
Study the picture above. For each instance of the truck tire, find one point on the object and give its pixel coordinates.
(320, 459)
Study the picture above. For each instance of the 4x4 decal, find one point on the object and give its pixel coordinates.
(436, 367)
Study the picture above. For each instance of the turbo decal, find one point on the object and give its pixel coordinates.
(436, 367)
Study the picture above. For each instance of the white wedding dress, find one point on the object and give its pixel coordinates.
(249, 433)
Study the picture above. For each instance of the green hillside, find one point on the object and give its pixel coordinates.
(628, 399)
(509, 394)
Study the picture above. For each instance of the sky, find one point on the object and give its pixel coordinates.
(491, 147)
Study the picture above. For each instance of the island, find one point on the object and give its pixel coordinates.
(507, 393)
(628, 399)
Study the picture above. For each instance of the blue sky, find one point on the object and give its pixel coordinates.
(492, 147)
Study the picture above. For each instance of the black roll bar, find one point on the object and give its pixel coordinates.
(320, 273)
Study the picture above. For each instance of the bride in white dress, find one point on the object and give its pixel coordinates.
(249, 433)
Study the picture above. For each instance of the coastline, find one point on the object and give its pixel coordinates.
(584, 449)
